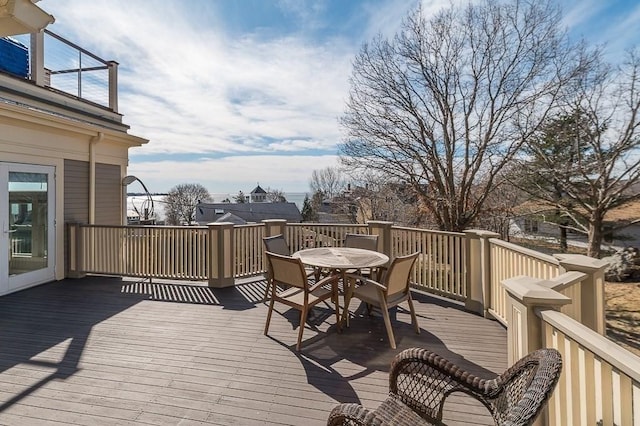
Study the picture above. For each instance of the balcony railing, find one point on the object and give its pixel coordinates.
(544, 301)
(65, 67)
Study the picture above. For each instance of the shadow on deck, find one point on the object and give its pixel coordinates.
(124, 351)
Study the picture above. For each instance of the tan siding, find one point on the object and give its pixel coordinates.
(76, 191)
(108, 195)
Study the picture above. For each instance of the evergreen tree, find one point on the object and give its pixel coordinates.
(554, 156)
(240, 198)
(309, 214)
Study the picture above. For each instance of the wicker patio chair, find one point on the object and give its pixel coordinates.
(300, 295)
(420, 381)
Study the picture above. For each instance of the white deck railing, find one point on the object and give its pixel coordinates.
(508, 260)
(306, 235)
(441, 267)
(600, 382)
(143, 251)
(249, 256)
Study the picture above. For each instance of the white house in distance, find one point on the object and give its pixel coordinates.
(258, 195)
(63, 155)
(530, 223)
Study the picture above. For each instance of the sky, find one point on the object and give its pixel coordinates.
(232, 93)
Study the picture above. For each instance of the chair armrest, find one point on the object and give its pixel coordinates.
(326, 280)
(422, 380)
(365, 280)
(352, 414)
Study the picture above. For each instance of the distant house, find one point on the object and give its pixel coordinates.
(241, 213)
(530, 222)
(258, 195)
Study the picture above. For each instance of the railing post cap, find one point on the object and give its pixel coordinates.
(480, 233)
(581, 262)
(274, 221)
(533, 291)
(220, 224)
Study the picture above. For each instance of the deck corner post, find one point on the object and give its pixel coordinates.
(592, 291)
(478, 264)
(526, 295)
(221, 255)
(275, 227)
(383, 230)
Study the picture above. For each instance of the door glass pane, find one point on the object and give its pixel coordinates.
(28, 222)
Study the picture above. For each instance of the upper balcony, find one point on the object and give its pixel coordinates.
(45, 71)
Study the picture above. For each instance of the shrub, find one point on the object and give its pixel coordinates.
(624, 265)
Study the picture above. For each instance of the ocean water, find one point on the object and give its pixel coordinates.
(158, 205)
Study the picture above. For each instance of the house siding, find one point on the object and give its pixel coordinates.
(108, 195)
(76, 191)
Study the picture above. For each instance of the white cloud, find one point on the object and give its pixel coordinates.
(231, 174)
(189, 88)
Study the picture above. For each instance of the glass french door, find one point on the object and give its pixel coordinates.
(27, 246)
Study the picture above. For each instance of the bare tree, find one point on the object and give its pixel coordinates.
(275, 196)
(181, 201)
(605, 133)
(502, 203)
(447, 103)
(375, 197)
(328, 181)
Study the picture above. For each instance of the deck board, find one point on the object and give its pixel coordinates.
(111, 351)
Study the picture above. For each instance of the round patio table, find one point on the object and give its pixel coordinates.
(340, 260)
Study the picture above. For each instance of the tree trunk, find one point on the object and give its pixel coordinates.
(564, 247)
(595, 236)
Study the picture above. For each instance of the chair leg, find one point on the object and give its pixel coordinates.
(266, 326)
(303, 321)
(387, 322)
(266, 291)
(414, 318)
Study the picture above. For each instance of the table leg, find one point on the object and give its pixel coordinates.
(348, 292)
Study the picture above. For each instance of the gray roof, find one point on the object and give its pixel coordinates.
(250, 212)
(258, 190)
(230, 217)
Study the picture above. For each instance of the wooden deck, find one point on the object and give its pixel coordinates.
(111, 351)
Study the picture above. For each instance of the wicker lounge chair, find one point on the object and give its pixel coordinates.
(420, 381)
